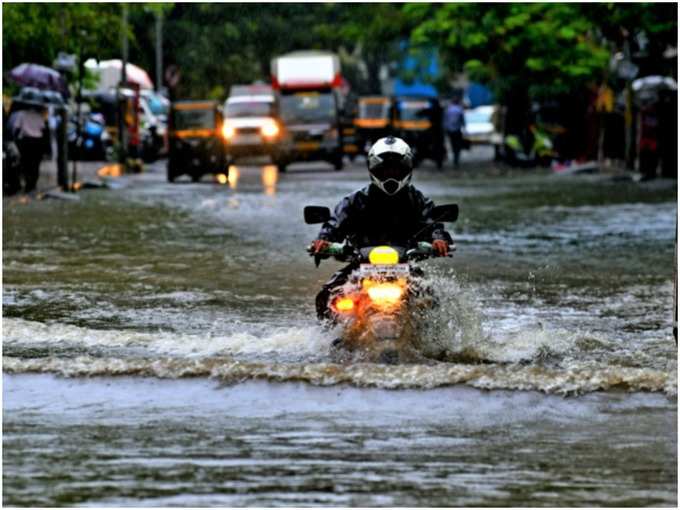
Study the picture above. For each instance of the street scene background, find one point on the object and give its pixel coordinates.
(160, 344)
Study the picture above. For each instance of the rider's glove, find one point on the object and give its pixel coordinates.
(440, 247)
(319, 245)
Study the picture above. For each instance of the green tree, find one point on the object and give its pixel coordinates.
(522, 51)
(539, 50)
(36, 32)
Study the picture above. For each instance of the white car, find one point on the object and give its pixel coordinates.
(479, 126)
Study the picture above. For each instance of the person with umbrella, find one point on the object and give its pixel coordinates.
(27, 126)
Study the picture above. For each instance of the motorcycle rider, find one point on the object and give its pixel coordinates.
(390, 210)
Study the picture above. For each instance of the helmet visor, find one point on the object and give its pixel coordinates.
(391, 168)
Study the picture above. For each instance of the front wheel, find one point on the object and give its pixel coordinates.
(281, 165)
(196, 177)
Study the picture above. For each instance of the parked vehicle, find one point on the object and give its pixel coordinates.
(251, 124)
(480, 126)
(154, 124)
(307, 85)
(109, 105)
(418, 121)
(197, 146)
(536, 148)
(93, 143)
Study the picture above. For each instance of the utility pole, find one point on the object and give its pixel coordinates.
(159, 51)
(79, 101)
(628, 114)
(122, 101)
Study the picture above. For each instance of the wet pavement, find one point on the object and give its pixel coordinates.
(159, 343)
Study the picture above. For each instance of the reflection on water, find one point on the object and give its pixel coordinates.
(233, 175)
(115, 170)
(270, 176)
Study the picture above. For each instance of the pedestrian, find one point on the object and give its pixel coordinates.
(648, 141)
(454, 122)
(10, 155)
(27, 125)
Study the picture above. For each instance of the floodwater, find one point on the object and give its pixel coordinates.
(160, 348)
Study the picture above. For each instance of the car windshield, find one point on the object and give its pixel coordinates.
(249, 109)
(373, 110)
(194, 119)
(308, 107)
(473, 117)
(413, 110)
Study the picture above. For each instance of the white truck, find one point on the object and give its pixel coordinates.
(308, 84)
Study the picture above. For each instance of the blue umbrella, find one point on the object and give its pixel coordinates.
(35, 75)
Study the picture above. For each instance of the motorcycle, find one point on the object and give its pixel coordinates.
(93, 142)
(541, 151)
(384, 297)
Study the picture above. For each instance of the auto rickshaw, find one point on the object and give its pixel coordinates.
(373, 120)
(197, 146)
(418, 121)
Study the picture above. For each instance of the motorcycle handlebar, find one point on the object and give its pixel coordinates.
(343, 252)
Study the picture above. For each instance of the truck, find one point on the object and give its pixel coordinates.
(308, 87)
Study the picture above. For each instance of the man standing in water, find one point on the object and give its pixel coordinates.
(388, 211)
(454, 122)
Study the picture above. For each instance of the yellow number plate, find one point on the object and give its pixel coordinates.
(307, 146)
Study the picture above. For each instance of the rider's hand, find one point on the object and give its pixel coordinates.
(440, 247)
(319, 245)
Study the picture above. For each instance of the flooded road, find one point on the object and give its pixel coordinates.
(160, 348)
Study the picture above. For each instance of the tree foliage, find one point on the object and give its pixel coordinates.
(551, 49)
(546, 49)
(36, 32)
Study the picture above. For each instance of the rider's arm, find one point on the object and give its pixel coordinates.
(437, 231)
(337, 227)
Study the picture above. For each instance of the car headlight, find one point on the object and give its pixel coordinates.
(269, 129)
(228, 131)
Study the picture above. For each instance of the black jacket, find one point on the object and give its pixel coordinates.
(369, 217)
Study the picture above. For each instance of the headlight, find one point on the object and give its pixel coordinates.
(270, 129)
(228, 131)
(343, 304)
(385, 293)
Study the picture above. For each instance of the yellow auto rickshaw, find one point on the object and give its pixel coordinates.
(196, 144)
(373, 120)
(418, 121)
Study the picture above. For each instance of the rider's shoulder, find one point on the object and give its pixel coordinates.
(415, 192)
(359, 196)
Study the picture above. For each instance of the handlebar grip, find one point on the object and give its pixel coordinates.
(332, 250)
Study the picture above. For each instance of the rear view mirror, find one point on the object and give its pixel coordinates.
(316, 214)
(448, 213)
